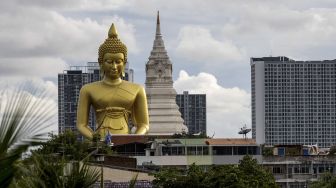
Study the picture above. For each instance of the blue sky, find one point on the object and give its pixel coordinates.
(209, 42)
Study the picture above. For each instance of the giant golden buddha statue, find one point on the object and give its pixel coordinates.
(113, 99)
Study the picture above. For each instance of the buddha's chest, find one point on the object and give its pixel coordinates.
(113, 97)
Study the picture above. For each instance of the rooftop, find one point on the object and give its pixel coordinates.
(277, 59)
(286, 59)
(230, 141)
(127, 139)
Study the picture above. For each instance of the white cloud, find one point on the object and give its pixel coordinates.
(196, 43)
(43, 96)
(31, 84)
(228, 109)
(40, 32)
(32, 67)
(281, 30)
(75, 5)
(101, 5)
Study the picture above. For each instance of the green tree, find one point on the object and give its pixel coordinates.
(224, 176)
(66, 145)
(248, 174)
(168, 177)
(195, 177)
(327, 180)
(254, 175)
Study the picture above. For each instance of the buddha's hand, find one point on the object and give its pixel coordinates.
(142, 129)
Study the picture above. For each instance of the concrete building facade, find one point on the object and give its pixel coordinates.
(182, 152)
(298, 171)
(193, 111)
(293, 102)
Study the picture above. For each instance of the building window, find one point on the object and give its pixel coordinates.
(205, 150)
(278, 170)
(191, 150)
(222, 150)
(176, 150)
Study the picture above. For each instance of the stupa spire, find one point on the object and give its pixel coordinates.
(164, 115)
(158, 29)
(159, 50)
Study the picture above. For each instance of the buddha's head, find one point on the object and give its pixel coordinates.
(112, 56)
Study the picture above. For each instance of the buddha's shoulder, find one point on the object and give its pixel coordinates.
(91, 86)
(126, 86)
(130, 87)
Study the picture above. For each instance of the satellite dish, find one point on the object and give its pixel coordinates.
(244, 130)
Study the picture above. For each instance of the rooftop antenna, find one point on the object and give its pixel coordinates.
(213, 134)
(271, 47)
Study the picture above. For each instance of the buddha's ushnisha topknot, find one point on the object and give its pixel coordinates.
(112, 45)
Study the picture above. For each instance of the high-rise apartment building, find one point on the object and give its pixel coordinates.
(193, 111)
(69, 84)
(293, 102)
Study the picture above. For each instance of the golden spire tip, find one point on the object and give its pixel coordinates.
(113, 32)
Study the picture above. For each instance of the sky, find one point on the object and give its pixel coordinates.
(209, 42)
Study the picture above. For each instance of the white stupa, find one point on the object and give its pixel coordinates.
(164, 115)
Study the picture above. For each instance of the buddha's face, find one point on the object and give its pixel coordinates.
(113, 65)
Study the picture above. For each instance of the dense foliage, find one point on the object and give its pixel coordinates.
(327, 180)
(248, 174)
(267, 151)
(69, 147)
(65, 144)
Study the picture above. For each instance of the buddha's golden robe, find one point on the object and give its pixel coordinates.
(113, 105)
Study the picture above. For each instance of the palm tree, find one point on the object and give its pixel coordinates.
(133, 181)
(48, 171)
(26, 115)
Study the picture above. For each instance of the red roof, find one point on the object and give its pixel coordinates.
(128, 139)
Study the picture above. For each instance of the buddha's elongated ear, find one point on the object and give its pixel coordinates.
(101, 71)
(123, 73)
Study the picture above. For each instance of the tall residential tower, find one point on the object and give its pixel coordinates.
(293, 102)
(193, 111)
(69, 84)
